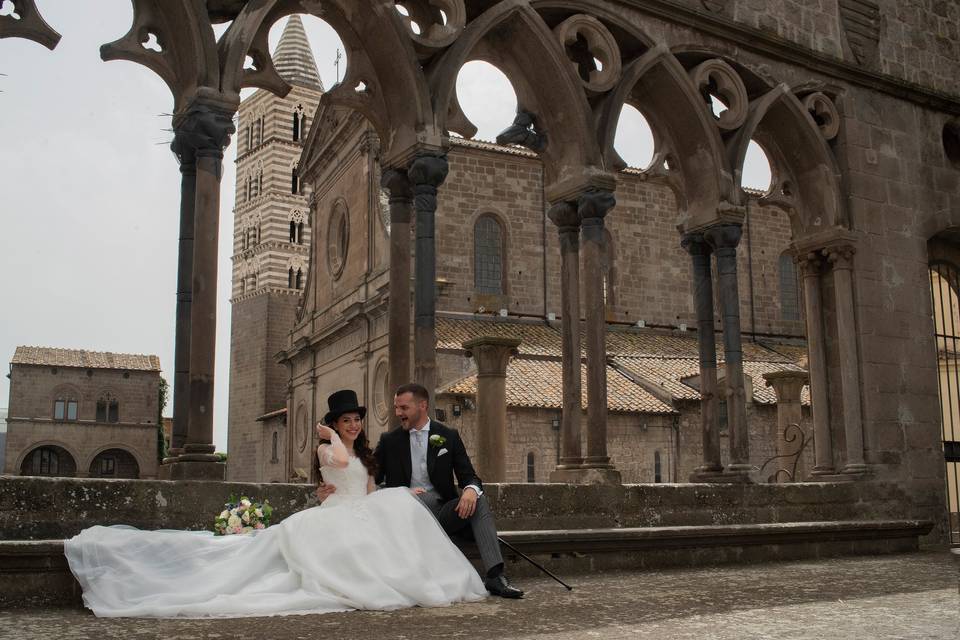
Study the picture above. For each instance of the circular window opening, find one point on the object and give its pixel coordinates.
(338, 237)
(951, 142)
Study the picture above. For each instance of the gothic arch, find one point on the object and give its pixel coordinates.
(806, 179)
(688, 149)
(510, 35)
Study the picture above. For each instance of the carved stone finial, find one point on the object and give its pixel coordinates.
(524, 133)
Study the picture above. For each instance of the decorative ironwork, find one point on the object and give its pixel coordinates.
(791, 434)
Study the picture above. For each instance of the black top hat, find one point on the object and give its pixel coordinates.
(341, 402)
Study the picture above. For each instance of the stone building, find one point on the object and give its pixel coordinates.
(855, 103)
(270, 252)
(80, 413)
(496, 251)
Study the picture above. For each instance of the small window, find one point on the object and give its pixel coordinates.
(101, 411)
(299, 280)
(65, 409)
(108, 466)
(59, 410)
(274, 458)
(657, 471)
(531, 467)
(296, 126)
(293, 231)
(290, 278)
(299, 233)
(294, 181)
(789, 291)
(113, 411)
(488, 255)
(72, 410)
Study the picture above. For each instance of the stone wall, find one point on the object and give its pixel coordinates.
(54, 508)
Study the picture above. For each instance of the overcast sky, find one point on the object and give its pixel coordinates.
(91, 192)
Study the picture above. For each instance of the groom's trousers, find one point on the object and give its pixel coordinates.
(481, 524)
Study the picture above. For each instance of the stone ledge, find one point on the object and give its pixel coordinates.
(36, 572)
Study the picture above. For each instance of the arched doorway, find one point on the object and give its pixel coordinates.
(114, 463)
(49, 460)
(944, 280)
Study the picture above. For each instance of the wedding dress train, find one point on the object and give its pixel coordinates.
(380, 551)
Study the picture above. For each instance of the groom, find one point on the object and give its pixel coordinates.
(425, 456)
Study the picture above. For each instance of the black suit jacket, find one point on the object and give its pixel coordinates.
(394, 467)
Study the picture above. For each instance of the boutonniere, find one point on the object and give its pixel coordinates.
(437, 441)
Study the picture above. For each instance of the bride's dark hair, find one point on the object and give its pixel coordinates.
(361, 447)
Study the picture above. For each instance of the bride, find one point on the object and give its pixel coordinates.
(361, 549)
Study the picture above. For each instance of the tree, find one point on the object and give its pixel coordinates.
(162, 392)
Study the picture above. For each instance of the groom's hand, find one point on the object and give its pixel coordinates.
(324, 491)
(468, 503)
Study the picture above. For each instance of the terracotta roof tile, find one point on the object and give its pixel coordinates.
(660, 358)
(83, 359)
(538, 384)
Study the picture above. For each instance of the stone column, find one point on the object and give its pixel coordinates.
(426, 173)
(788, 385)
(401, 205)
(724, 239)
(593, 206)
(841, 257)
(492, 355)
(208, 130)
(564, 215)
(700, 251)
(810, 265)
(181, 366)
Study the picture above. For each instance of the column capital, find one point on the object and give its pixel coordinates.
(695, 244)
(723, 236)
(594, 204)
(840, 256)
(428, 170)
(565, 216)
(810, 263)
(787, 384)
(202, 130)
(397, 183)
(492, 353)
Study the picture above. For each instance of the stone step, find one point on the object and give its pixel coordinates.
(35, 572)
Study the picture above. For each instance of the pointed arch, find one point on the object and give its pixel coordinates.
(509, 36)
(686, 140)
(807, 180)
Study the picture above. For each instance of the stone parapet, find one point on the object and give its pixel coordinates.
(56, 508)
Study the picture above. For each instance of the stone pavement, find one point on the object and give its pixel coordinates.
(901, 596)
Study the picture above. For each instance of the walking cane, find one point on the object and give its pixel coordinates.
(530, 560)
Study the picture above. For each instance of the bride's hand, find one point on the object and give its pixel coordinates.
(324, 432)
(418, 491)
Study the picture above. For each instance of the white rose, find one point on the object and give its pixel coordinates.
(258, 513)
(224, 514)
(245, 502)
(233, 522)
(246, 516)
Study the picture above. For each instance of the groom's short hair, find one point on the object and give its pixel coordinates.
(418, 390)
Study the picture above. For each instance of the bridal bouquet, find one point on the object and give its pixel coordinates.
(242, 516)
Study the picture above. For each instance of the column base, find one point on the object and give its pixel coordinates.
(197, 470)
(856, 469)
(585, 475)
(837, 477)
(707, 475)
(822, 471)
(737, 474)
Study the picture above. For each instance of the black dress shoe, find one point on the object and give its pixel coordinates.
(500, 586)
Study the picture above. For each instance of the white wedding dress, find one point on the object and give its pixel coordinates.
(381, 551)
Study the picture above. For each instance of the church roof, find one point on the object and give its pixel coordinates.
(293, 58)
(647, 368)
(83, 359)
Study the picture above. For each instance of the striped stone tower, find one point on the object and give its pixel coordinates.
(271, 239)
